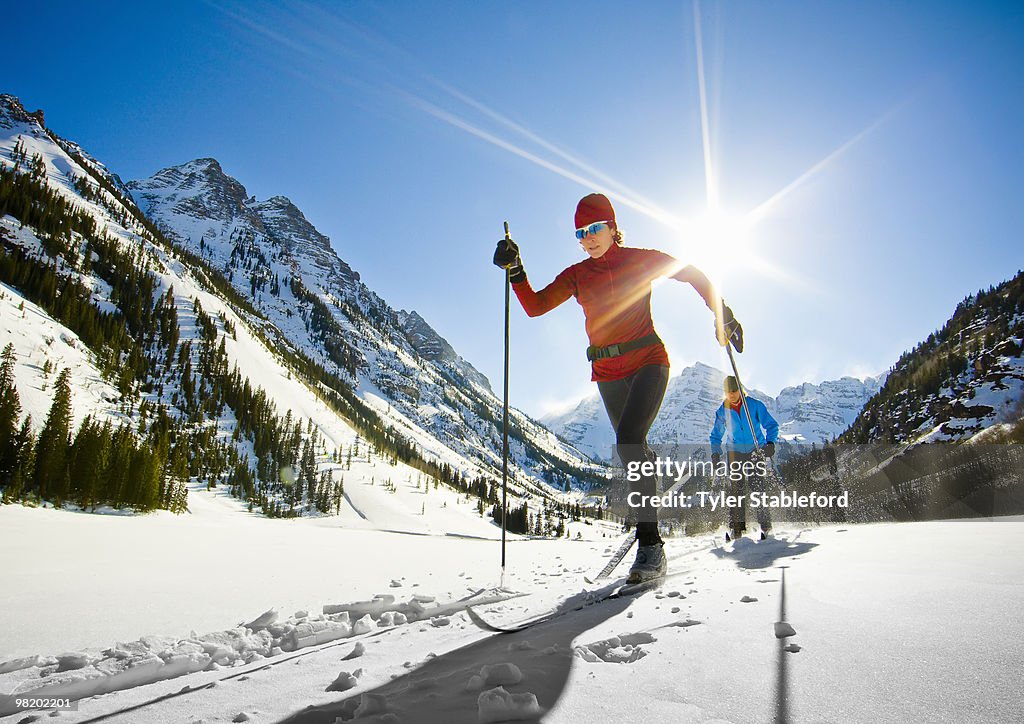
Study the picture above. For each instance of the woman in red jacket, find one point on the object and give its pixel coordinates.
(629, 361)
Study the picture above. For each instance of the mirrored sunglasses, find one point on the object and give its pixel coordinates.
(592, 229)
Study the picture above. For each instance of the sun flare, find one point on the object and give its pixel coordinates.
(715, 241)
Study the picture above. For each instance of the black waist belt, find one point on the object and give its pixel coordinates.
(614, 350)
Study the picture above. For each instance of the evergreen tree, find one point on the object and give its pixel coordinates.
(147, 470)
(89, 460)
(25, 453)
(118, 462)
(10, 412)
(308, 469)
(52, 449)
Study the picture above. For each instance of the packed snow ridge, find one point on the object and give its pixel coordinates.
(77, 675)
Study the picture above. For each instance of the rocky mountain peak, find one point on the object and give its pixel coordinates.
(428, 343)
(198, 189)
(261, 240)
(284, 221)
(12, 111)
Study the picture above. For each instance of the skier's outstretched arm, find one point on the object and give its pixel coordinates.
(538, 303)
(727, 328)
(698, 280)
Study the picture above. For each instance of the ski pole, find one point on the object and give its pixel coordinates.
(743, 395)
(746, 410)
(504, 429)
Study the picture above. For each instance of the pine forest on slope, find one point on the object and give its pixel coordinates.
(184, 333)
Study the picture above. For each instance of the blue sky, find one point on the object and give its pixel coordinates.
(864, 158)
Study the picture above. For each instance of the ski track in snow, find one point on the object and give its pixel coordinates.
(704, 644)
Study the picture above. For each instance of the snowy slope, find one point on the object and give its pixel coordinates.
(408, 508)
(893, 622)
(404, 505)
(39, 339)
(390, 357)
(806, 413)
(36, 336)
(988, 395)
(964, 381)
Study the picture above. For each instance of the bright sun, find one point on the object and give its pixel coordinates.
(715, 241)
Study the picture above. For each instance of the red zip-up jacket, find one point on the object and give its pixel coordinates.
(615, 293)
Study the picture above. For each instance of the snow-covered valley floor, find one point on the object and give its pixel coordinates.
(893, 622)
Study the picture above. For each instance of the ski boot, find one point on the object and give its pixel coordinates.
(650, 563)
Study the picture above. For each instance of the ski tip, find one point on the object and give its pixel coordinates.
(631, 589)
(514, 628)
(479, 621)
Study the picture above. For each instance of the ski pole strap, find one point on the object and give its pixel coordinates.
(615, 350)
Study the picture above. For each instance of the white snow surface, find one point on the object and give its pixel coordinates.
(893, 622)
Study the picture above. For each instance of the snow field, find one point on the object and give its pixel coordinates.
(171, 584)
(891, 622)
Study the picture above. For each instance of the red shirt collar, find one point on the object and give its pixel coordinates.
(613, 252)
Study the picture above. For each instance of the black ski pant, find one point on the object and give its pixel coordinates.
(743, 487)
(632, 404)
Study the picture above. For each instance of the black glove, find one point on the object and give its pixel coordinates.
(506, 256)
(727, 329)
(769, 449)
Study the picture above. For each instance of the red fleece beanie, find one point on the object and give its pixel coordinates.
(593, 208)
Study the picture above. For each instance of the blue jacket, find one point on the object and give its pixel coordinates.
(735, 424)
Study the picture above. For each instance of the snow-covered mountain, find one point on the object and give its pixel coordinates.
(435, 348)
(289, 271)
(817, 412)
(961, 382)
(229, 333)
(806, 413)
